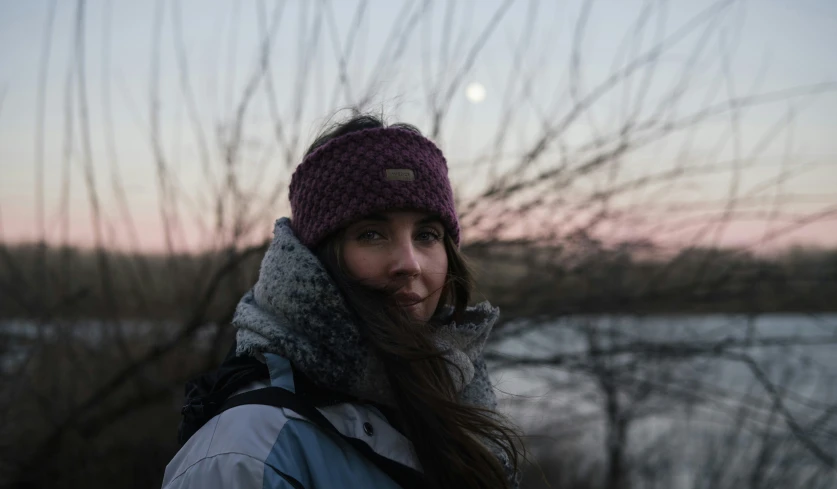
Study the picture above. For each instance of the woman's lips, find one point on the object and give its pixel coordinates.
(408, 298)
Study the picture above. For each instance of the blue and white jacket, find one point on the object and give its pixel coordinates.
(257, 446)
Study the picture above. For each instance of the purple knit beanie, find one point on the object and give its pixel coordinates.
(369, 171)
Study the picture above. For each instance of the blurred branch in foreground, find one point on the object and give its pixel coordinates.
(655, 355)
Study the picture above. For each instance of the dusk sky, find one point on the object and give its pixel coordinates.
(782, 49)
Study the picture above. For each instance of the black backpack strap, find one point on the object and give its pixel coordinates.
(279, 397)
(404, 476)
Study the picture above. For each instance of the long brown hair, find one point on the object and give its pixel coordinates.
(449, 437)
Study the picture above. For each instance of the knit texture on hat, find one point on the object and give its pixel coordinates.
(346, 179)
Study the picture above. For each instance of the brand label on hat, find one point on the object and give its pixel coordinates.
(405, 175)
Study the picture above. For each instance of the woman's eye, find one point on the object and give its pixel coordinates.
(429, 235)
(368, 236)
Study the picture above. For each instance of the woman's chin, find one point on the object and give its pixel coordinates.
(415, 311)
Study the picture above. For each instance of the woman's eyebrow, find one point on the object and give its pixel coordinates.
(430, 220)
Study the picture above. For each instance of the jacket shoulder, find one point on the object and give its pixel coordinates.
(232, 447)
(232, 471)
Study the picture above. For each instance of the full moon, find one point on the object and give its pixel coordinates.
(475, 92)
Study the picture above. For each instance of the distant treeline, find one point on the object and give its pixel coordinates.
(528, 281)
(525, 280)
(70, 282)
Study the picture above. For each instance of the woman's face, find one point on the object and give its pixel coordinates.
(400, 251)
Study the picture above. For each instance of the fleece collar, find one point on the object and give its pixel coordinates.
(295, 310)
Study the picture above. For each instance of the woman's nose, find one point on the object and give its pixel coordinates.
(405, 259)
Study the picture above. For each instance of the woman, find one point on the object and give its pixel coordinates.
(361, 309)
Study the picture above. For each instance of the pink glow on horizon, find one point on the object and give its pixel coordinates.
(19, 230)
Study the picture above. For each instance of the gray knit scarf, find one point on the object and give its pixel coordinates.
(296, 311)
